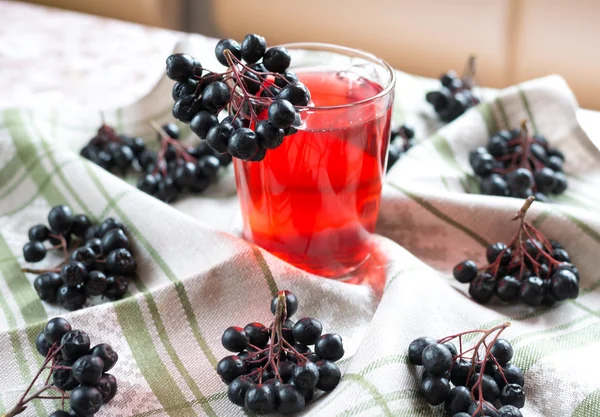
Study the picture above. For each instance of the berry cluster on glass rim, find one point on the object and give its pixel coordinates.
(257, 92)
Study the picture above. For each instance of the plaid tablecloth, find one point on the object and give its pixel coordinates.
(196, 278)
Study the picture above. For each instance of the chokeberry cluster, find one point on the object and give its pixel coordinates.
(531, 269)
(258, 96)
(97, 259)
(77, 371)
(517, 164)
(273, 367)
(478, 381)
(165, 174)
(456, 94)
(401, 140)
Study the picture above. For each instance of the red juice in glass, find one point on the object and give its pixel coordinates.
(314, 200)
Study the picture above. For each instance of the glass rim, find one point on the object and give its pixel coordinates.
(321, 46)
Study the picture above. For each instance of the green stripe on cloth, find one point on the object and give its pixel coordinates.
(442, 216)
(8, 171)
(372, 390)
(502, 111)
(442, 146)
(211, 398)
(266, 270)
(148, 361)
(528, 110)
(27, 151)
(485, 109)
(588, 407)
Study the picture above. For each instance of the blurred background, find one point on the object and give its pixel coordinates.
(514, 40)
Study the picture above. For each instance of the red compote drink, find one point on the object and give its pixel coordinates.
(314, 200)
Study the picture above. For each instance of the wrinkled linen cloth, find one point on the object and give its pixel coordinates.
(196, 278)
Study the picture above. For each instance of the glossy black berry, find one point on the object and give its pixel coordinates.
(437, 359)
(74, 273)
(34, 251)
(148, 183)
(55, 329)
(330, 346)
(416, 348)
(296, 93)
(561, 255)
(260, 399)
(531, 291)
(104, 387)
(115, 239)
(509, 411)
(236, 392)
(202, 122)
(121, 262)
(108, 224)
(435, 389)
(502, 351)
(71, 297)
(307, 331)
(290, 399)
(498, 249)
(513, 375)
(507, 289)
(460, 372)
(227, 45)
(215, 96)
(85, 400)
(253, 48)
(482, 164)
(113, 387)
(458, 400)
(243, 144)
(489, 387)
(234, 339)
(513, 394)
(564, 285)
(218, 137)
(269, 136)
(186, 108)
(180, 67)
(291, 303)
(116, 287)
(60, 218)
(286, 78)
(46, 285)
(76, 343)
(329, 375)
(63, 378)
(105, 352)
(94, 244)
(560, 184)
(281, 113)
(277, 59)
(465, 271)
(39, 233)
(483, 410)
(230, 367)
(42, 345)
(258, 334)
(482, 288)
(88, 369)
(494, 185)
(305, 376)
(184, 88)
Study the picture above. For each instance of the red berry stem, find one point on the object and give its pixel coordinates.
(166, 140)
(27, 398)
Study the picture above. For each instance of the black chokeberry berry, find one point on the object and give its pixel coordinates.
(230, 367)
(416, 348)
(494, 185)
(277, 59)
(512, 373)
(75, 344)
(113, 387)
(513, 394)
(74, 273)
(329, 375)
(227, 45)
(260, 399)
(148, 183)
(243, 143)
(108, 355)
(180, 67)
(236, 392)
(531, 291)
(108, 224)
(269, 136)
(88, 369)
(63, 378)
(490, 389)
(307, 331)
(84, 255)
(305, 376)
(286, 78)
(329, 346)
(46, 285)
(482, 288)
(71, 297)
(465, 271)
(435, 389)
(202, 122)
(564, 284)
(281, 113)
(115, 239)
(459, 400)
(104, 387)
(258, 334)
(39, 233)
(460, 372)
(186, 108)
(253, 48)
(507, 289)
(34, 251)
(215, 96)
(116, 287)
(184, 88)
(234, 339)
(60, 218)
(509, 411)
(42, 345)
(121, 262)
(85, 400)
(290, 399)
(503, 351)
(218, 136)
(498, 249)
(296, 93)
(94, 244)
(55, 329)
(437, 359)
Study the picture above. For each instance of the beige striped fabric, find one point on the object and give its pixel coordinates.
(196, 277)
